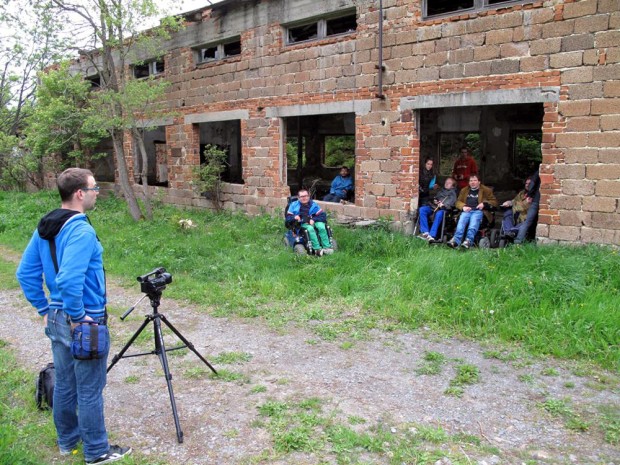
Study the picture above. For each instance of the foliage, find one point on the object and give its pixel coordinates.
(62, 123)
(207, 178)
(552, 300)
(527, 155)
(340, 151)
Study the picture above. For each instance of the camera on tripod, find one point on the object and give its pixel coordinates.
(154, 281)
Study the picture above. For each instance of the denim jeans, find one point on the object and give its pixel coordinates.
(425, 213)
(470, 220)
(324, 237)
(530, 219)
(78, 392)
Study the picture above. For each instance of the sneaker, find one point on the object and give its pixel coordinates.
(115, 453)
(452, 243)
(328, 251)
(319, 253)
(430, 238)
(466, 244)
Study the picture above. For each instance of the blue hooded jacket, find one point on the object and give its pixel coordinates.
(316, 213)
(341, 186)
(79, 287)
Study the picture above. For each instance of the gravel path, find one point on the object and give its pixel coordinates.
(375, 380)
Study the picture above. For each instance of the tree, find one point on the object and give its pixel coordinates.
(30, 42)
(110, 31)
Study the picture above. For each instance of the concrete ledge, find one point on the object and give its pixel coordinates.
(488, 97)
(359, 107)
(212, 117)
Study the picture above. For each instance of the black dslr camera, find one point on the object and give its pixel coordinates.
(154, 281)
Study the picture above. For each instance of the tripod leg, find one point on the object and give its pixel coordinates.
(160, 349)
(189, 345)
(118, 356)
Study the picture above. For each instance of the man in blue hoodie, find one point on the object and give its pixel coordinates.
(66, 256)
(341, 188)
(312, 219)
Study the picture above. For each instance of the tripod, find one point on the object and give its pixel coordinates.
(160, 349)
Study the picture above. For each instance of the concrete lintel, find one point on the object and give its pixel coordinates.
(215, 116)
(155, 122)
(485, 97)
(359, 107)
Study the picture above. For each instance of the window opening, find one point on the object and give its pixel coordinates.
(440, 7)
(151, 68)
(342, 25)
(219, 51)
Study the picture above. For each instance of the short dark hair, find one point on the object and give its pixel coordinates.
(302, 190)
(474, 176)
(427, 159)
(72, 180)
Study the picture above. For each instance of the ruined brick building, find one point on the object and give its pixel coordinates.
(256, 76)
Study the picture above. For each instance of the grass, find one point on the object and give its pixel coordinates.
(307, 426)
(554, 300)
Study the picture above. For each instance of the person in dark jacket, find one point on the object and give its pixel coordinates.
(427, 181)
(444, 200)
(312, 218)
(66, 256)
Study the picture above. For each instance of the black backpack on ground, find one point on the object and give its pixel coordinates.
(44, 393)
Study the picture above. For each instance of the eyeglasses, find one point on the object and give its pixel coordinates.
(96, 189)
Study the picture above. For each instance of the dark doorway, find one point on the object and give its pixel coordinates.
(504, 139)
(317, 146)
(226, 136)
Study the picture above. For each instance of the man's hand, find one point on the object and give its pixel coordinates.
(507, 203)
(86, 318)
(45, 320)
(466, 208)
(311, 222)
(480, 206)
(298, 218)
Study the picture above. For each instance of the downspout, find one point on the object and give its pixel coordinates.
(380, 66)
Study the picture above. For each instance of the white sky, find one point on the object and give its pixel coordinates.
(184, 5)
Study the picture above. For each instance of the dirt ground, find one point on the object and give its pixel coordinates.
(375, 380)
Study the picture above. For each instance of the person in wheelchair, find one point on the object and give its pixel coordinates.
(476, 202)
(516, 213)
(443, 201)
(312, 219)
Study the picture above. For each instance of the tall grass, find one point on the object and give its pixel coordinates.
(554, 300)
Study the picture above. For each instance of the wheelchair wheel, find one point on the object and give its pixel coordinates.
(286, 242)
(484, 243)
(299, 249)
(334, 243)
(493, 238)
(502, 243)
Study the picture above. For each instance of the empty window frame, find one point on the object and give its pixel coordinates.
(150, 68)
(446, 7)
(321, 28)
(219, 51)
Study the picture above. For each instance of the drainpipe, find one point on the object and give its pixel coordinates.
(380, 66)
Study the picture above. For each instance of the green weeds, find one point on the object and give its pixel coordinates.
(553, 300)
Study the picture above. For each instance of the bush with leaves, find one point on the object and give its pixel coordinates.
(207, 178)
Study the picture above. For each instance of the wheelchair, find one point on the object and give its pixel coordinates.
(487, 236)
(446, 229)
(298, 238)
(506, 238)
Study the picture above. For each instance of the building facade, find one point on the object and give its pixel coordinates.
(279, 83)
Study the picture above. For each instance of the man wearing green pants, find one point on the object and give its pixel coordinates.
(312, 219)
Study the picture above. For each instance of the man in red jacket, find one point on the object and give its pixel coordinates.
(464, 167)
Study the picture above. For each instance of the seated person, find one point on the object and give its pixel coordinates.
(427, 181)
(444, 200)
(342, 187)
(533, 198)
(312, 219)
(514, 216)
(475, 201)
